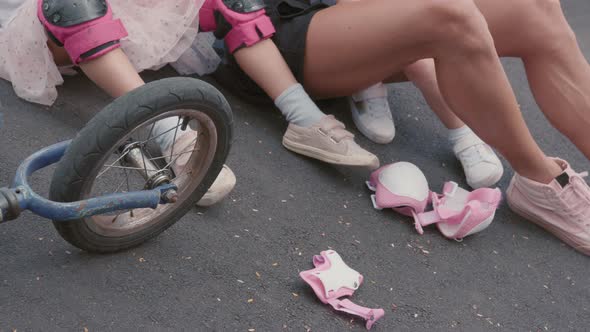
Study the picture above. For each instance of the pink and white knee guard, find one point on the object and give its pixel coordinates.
(240, 23)
(85, 28)
(457, 212)
(401, 187)
(332, 279)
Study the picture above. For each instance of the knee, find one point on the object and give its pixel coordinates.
(545, 26)
(459, 24)
(86, 29)
(422, 72)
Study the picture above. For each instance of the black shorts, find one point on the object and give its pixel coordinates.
(291, 19)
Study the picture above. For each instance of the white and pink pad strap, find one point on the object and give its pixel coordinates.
(332, 279)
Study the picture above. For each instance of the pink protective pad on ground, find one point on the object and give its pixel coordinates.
(247, 29)
(331, 279)
(85, 37)
(459, 213)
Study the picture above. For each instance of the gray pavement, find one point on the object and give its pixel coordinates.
(202, 272)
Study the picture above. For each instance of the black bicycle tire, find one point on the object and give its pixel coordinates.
(112, 124)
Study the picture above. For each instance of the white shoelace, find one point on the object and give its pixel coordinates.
(475, 154)
(377, 108)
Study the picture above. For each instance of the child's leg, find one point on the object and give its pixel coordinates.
(111, 70)
(113, 73)
(331, 143)
(246, 32)
(481, 165)
(265, 65)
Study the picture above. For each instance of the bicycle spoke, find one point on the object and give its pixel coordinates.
(174, 139)
(120, 184)
(151, 130)
(176, 154)
(184, 169)
(112, 165)
(162, 134)
(128, 190)
(144, 165)
(124, 167)
(173, 161)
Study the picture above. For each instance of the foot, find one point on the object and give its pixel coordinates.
(330, 142)
(183, 148)
(562, 207)
(480, 163)
(221, 187)
(372, 115)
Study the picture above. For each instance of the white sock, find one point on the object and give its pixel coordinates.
(457, 134)
(297, 107)
(164, 133)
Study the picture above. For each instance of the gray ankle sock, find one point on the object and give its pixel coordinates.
(297, 107)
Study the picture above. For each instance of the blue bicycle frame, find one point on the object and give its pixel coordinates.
(21, 197)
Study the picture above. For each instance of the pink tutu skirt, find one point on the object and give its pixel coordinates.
(160, 31)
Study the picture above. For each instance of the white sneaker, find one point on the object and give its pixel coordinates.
(372, 115)
(481, 165)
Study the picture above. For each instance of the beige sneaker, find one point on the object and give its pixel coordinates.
(221, 187)
(330, 142)
(223, 184)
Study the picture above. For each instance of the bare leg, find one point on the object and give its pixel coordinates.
(265, 65)
(308, 126)
(112, 72)
(558, 73)
(455, 34)
(422, 73)
(272, 73)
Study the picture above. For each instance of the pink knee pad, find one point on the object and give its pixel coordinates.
(457, 212)
(400, 186)
(85, 28)
(245, 20)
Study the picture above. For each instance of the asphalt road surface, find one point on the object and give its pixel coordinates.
(234, 267)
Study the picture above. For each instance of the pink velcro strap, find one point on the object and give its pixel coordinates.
(249, 33)
(425, 219)
(92, 37)
(428, 218)
(370, 315)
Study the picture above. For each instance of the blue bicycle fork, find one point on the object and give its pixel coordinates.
(21, 197)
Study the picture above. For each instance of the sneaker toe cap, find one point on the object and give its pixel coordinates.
(484, 175)
(221, 187)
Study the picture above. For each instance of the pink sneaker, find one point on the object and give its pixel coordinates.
(562, 207)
